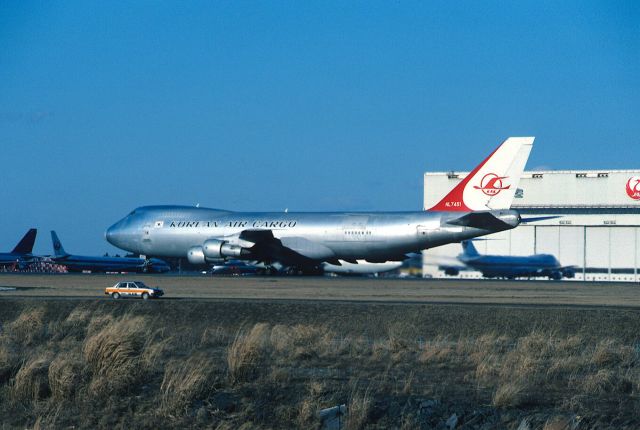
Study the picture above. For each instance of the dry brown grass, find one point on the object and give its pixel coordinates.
(186, 380)
(65, 375)
(9, 361)
(301, 342)
(74, 325)
(214, 336)
(48, 419)
(606, 381)
(439, 350)
(510, 394)
(98, 322)
(487, 369)
(397, 337)
(309, 406)
(560, 367)
(115, 354)
(246, 352)
(559, 423)
(358, 408)
(31, 382)
(307, 411)
(28, 327)
(92, 366)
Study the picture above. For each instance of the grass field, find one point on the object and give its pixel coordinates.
(265, 364)
(345, 288)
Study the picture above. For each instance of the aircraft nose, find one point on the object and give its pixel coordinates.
(108, 234)
(114, 234)
(123, 234)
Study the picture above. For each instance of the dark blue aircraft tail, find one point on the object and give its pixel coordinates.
(58, 250)
(25, 246)
(469, 249)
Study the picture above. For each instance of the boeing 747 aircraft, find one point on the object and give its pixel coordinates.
(509, 267)
(79, 263)
(21, 254)
(477, 206)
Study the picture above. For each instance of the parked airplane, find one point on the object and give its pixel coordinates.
(78, 263)
(243, 267)
(509, 267)
(240, 267)
(21, 254)
(477, 206)
(360, 267)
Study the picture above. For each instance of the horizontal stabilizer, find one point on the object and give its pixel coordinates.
(481, 220)
(539, 218)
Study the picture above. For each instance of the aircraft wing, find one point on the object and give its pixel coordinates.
(264, 246)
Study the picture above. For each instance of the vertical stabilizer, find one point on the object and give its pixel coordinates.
(493, 183)
(469, 249)
(58, 250)
(25, 246)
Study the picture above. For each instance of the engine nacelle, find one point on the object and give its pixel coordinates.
(229, 250)
(195, 255)
(212, 249)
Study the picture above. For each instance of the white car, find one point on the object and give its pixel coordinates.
(126, 289)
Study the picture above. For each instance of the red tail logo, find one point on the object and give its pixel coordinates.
(491, 184)
(633, 187)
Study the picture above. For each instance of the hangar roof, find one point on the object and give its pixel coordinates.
(605, 189)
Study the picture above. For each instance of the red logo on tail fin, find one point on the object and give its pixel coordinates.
(491, 184)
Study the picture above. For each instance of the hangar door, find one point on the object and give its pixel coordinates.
(623, 247)
(598, 253)
(547, 240)
(571, 246)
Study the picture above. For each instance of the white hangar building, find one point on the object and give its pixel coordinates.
(598, 230)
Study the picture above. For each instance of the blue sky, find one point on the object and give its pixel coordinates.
(106, 106)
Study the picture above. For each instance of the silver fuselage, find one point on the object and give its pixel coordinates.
(170, 231)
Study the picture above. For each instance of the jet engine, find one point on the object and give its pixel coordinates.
(196, 256)
(212, 249)
(215, 249)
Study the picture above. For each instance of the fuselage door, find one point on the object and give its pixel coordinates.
(147, 231)
(354, 227)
